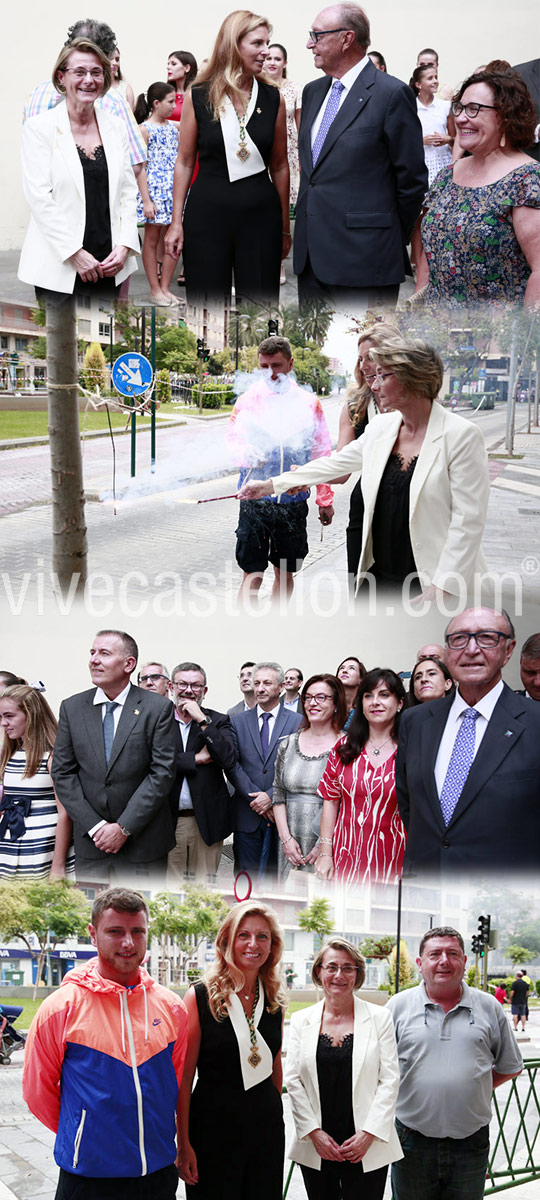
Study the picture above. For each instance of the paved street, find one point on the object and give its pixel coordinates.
(153, 531)
(28, 1170)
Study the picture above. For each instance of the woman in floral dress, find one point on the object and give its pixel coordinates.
(481, 230)
(362, 835)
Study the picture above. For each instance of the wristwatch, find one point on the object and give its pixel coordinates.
(207, 721)
(125, 831)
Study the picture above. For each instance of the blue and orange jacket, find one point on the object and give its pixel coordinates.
(102, 1069)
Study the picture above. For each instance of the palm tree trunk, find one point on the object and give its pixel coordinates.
(69, 529)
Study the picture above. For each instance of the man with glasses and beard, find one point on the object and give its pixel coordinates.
(468, 767)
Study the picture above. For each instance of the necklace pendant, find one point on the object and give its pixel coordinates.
(254, 1058)
(375, 751)
(243, 153)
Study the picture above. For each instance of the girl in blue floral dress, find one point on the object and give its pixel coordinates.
(154, 206)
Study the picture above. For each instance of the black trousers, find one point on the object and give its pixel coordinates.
(344, 1181)
(159, 1185)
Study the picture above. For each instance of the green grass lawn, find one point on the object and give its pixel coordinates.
(29, 1007)
(34, 424)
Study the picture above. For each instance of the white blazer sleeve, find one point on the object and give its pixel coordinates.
(322, 470)
(38, 186)
(469, 492)
(380, 1118)
(305, 1120)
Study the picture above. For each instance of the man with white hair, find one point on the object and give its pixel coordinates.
(363, 175)
(258, 733)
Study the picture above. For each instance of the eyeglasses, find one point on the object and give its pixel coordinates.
(333, 968)
(181, 688)
(81, 72)
(320, 698)
(315, 34)
(486, 639)
(470, 110)
(151, 678)
(383, 375)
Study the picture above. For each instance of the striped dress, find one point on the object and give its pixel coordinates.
(28, 817)
(369, 837)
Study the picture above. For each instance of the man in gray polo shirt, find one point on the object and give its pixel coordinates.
(455, 1046)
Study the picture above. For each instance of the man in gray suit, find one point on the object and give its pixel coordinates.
(113, 768)
(363, 174)
(258, 733)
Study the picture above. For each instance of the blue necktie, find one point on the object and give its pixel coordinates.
(265, 733)
(328, 116)
(460, 763)
(108, 728)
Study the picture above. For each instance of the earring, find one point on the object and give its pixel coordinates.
(502, 142)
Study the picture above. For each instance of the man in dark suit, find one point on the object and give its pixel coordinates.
(200, 800)
(363, 174)
(245, 679)
(530, 73)
(258, 733)
(529, 667)
(468, 768)
(113, 767)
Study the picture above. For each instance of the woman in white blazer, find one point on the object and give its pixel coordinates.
(79, 184)
(437, 532)
(342, 1077)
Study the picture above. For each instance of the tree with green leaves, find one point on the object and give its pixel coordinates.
(94, 371)
(317, 918)
(176, 349)
(518, 955)
(182, 924)
(407, 970)
(51, 911)
(378, 947)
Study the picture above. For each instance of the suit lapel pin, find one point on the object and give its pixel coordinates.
(509, 733)
(259, 110)
(136, 712)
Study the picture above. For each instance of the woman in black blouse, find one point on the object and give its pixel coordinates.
(236, 218)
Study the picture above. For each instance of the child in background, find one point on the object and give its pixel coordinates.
(154, 207)
(438, 131)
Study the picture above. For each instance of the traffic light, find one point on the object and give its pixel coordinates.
(272, 327)
(474, 944)
(484, 926)
(200, 347)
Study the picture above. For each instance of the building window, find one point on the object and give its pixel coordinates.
(21, 343)
(4, 341)
(84, 301)
(84, 327)
(104, 330)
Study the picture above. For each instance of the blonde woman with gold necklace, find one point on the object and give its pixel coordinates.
(236, 219)
(230, 1133)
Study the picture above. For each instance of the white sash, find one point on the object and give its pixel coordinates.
(250, 1075)
(230, 129)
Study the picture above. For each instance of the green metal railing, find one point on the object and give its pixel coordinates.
(515, 1132)
(514, 1156)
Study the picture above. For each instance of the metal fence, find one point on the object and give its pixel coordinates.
(515, 1132)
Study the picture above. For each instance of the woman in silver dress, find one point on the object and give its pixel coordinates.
(300, 763)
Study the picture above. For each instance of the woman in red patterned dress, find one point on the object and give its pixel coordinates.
(362, 836)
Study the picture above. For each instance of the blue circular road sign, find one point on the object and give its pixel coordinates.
(132, 374)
